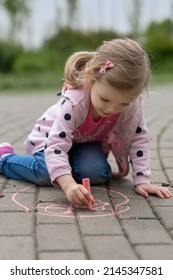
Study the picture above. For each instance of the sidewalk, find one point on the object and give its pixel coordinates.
(38, 223)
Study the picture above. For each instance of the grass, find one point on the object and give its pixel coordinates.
(162, 73)
(30, 82)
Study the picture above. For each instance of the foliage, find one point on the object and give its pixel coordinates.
(159, 41)
(43, 68)
(8, 56)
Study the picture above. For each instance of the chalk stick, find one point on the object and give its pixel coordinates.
(86, 184)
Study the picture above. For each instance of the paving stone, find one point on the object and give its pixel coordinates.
(169, 173)
(17, 248)
(153, 154)
(67, 255)
(138, 208)
(146, 231)
(16, 223)
(155, 165)
(158, 176)
(109, 247)
(166, 153)
(155, 201)
(49, 194)
(19, 202)
(14, 186)
(43, 218)
(168, 163)
(99, 225)
(166, 215)
(124, 187)
(155, 252)
(58, 237)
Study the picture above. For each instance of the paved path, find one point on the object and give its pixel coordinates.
(37, 222)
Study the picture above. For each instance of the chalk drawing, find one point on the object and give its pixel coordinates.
(64, 210)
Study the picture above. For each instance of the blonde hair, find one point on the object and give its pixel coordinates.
(131, 69)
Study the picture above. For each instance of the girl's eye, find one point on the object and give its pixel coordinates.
(103, 99)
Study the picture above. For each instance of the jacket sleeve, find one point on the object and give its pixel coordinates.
(140, 155)
(60, 139)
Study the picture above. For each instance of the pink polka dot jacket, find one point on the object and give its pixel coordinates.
(70, 121)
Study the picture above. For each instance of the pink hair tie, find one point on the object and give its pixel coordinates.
(108, 65)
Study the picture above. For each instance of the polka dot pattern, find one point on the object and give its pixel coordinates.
(63, 102)
(32, 143)
(67, 117)
(47, 134)
(139, 174)
(62, 134)
(138, 130)
(139, 153)
(57, 152)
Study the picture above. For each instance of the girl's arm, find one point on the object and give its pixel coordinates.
(77, 194)
(140, 161)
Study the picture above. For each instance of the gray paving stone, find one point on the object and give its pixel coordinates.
(138, 208)
(124, 187)
(168, 163)
(109, 247)
(99, 225)
(16, 223)
(58, 237)
(155, 252)
(166, 153)
(156, 165)
(153, 154)
(17, 248)
(169, 173)
(49, 194)
(42, 218)
(19, 202)
(67, 255)
(155, 201)
(13, 186)
(146, 231)
(166, 215)
(158, 177)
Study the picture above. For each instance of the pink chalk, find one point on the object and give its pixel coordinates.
(86, 184)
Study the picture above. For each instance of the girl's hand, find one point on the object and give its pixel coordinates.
(146, 189)
(78, 195)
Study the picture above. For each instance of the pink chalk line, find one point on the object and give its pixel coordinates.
(67, 211)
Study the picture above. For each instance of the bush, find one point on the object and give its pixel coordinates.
(29, 62)
(8, 56)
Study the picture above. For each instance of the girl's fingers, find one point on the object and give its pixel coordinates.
(159, 193)
(142, 192)
(166, 192)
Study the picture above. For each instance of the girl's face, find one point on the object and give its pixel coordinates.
(107, 100)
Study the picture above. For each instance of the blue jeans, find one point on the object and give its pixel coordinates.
(86, 159)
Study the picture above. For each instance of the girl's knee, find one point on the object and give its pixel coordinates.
(41, 175)
(98, 176)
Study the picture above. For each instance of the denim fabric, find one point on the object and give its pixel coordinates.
(86, 160)
(26, 168)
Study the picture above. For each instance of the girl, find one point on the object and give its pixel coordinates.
(100, 110)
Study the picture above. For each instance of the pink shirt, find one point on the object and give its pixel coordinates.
(91, 131)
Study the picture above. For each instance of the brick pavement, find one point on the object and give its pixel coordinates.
(37, 222)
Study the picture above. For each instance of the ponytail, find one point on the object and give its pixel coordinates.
(75, 67)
